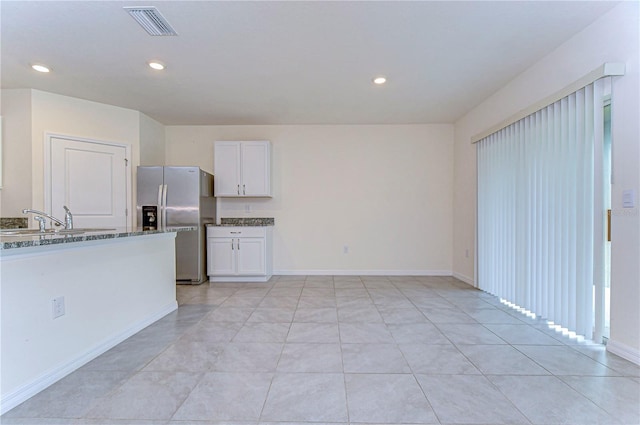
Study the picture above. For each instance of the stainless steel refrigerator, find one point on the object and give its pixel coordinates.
(179, 196)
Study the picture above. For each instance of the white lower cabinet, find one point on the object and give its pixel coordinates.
(239, 254)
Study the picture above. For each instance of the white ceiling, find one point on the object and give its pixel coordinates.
(268, 62)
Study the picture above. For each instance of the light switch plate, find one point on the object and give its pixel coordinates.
(57, 305)
(629, 198)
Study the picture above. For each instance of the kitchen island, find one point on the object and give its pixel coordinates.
(66, 299)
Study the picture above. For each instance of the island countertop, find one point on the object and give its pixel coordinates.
(35, 240)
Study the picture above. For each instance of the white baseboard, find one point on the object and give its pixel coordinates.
(464, 278)
(239, 279)
(28, 390)
(363, 272)
(624, 351)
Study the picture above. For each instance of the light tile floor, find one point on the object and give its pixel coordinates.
(343, 350)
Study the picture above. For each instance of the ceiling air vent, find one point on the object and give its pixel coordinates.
(151, 20)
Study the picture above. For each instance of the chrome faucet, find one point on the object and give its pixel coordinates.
(42, 222)
(68, 218)
(67, 224)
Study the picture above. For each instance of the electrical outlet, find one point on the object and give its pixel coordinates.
(58, 307)
(345, 249)
(466, 253)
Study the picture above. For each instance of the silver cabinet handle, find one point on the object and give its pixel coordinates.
(244, 192)
(238, 189)
(238, 244)
(232, 245)
(236, 233)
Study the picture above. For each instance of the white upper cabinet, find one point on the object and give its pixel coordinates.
(242, 169)
(226, 169)
(256, 168)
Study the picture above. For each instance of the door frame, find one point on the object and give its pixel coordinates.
(48, 143)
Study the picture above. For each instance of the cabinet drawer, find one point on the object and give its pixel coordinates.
(236, 232)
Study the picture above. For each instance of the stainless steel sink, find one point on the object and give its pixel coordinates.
(19, 232)
(65, 232)
(90, 229)
(36, 232)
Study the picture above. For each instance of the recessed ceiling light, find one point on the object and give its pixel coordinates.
(379, 80)
(40, 68)
(156, 65)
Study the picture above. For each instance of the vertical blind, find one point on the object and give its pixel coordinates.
(537, 209)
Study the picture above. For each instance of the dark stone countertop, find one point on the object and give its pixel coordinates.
(245, 222)
(8, 242)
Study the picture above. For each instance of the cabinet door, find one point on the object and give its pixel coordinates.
(221, 256)
(251, 256)
(227, 169)
(256, 169)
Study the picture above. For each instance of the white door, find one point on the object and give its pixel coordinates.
(91, 179)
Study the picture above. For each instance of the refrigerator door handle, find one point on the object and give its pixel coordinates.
(164, 205)
(159, 212)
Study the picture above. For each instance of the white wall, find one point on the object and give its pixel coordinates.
(385, 191)
(612, 38)
(152, 150)
(16, 152)
(53, 113)
(28, 115)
